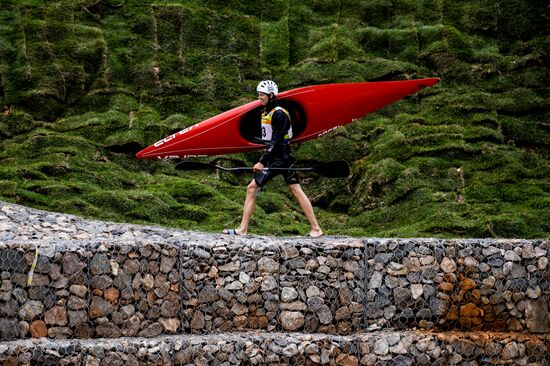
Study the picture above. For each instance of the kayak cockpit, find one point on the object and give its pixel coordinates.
(250, 127)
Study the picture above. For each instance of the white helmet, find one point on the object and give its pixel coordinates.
(267, 86)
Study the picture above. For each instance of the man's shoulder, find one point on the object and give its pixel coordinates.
(279, 111)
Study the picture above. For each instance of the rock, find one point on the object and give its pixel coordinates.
(528, 251)
(239, 309)
(31, 310)
(77, 317)
(288, 294)
(208, 294)
(99, 308)
(439, 307)
(230, 267)
(111, 294)
(131, 266)
(448, 265)
(267, 265)
(290, 351)
(347, 360)
(533, 293)
(351, 266)
(170, 325)
(269, 283)
(197, 323)
(510, 255)
(324, 314)
(108, 330)
(72, 264)
(381, 347)
(376, 280)
(542, 263)
(510, 351)
(495, 262)
(396, 269)
(77, 303)
(100, 265)
(471, 262)
(56, 316)
(537, 314)
(289, 252)
(342, 313)
(315, 303)
(38, 329)
(401, 296)
(78, 290)
(148, 281)
(244, 278)
(416, 290)
(153, 330)
(446, 287)
(292, 320)
(345, 295)
(489, 251)
(467, 284)
(313, 291)
(539, 252)
(167, 263)
(514, 270)
(470, 311)
(168, 309)
(201, 253)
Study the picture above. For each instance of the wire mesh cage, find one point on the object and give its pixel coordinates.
(229, 287)
(44, 291)
(322, 287)
(448, 285)
(89, 290)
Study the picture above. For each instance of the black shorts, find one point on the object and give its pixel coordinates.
(291, 177)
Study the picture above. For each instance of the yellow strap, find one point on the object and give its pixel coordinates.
(33, 266)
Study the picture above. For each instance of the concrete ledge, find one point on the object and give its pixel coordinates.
(259, 348)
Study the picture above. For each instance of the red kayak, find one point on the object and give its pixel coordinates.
(315, 111)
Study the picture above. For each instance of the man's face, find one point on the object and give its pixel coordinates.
(263, 98)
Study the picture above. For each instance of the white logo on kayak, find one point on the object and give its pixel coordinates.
(166, 157)
(327, 131)
(174, 135)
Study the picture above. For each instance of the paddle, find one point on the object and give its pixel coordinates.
(332, 169)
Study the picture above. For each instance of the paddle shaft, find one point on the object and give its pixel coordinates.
(335, 169)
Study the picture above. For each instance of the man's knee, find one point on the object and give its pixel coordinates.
(252, 187)
(295, 189)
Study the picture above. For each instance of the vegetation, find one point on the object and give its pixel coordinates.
(84, 84)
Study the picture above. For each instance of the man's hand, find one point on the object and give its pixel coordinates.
(258, 168)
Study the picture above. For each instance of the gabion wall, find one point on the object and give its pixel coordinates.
(339, 286)
(339, 301)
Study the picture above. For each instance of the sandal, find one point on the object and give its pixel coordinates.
(231, 232)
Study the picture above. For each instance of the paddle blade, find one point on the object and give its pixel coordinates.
(194, 165)
(333, 169)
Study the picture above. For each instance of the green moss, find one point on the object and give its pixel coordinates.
(84, 86)
(274, 44)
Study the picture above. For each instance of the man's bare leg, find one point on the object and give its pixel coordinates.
(249, 206)
(306, 206)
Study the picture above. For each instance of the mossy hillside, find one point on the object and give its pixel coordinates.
(84, 85)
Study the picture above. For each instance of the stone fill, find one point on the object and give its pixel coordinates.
(370, 349)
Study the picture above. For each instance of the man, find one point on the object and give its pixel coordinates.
(277, 134)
